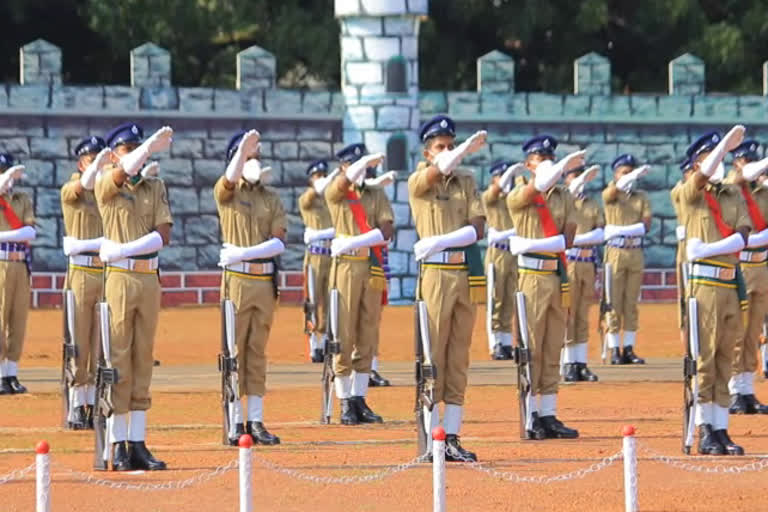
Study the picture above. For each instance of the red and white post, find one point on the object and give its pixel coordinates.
(438, 469)
(246, 477)
(629, 452)
(42, 477)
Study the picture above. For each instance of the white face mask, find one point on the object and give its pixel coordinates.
(252, 171)
(719, 174)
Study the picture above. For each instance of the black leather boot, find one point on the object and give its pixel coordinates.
(79, 419)
(629, 356)
(120, 459)
(738, 405)
(348, 412)
(5, 387)
(508, 352)
(571, 373)
(555, 429)
(454, 452)
(498, 353)
(260, 434)
(586, 374)
(89, 416)
(616, 356)
(536, 432)
(317, 355)
(375, 380)
(731, 448)
(709, 444)
(16, 387)
(239, 431)
(142, 458)
(753, 405)
(364, 413)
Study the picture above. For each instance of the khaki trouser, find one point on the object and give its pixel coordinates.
(546, 328)
(321, 267)
(720, 325)
(358, 314)
(372, 331)
(134, 304)
(14, 306)
(254, 301)
(627, 278)
(451, 318)
(86, 286)
(581, 276)
(505, 286)
(745, 351)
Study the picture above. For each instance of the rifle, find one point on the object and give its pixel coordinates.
(310, 309)
(106, 378)
(524, 371)
(331, 347)
(605, 308)
(230, 384)
(425, 373)
(690, 364)
(68, 359)
(490, 285)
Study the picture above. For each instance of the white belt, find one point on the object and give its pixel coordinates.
(530, 263)
(626, 242)
(258, 269)
(12, 255)
(579, 252)
(447, 258)
(360, 252)
(713, 272)
(324, 243)
(82, 260)
(136, 265)
(753, 256)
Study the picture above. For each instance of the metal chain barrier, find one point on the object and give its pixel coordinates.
(362, 479)
(160, 486)
(17, 474)
(703, 468)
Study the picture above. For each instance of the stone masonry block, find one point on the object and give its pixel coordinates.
(592, 75)
(40, 63)
(256, 68)
(686, 75)
(150, 66)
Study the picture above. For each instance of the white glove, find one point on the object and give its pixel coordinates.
(752, 170)
(759, 239)
(320, 184)
(625, 182)
(680, 233)
(248, 144)
(548, 173)
(233, 254)
(494, 237)
(88, 178)
(696, 249)
(728, 143)
(9, 177)
(356, 171)
(312, 235)
(384, 180)
(594, 237)
(520, 245)
(23, 234)
(447, 161)
(350, 243)
(613, 230)
(158, 141)
(428, 246)
(253, 172)
(506, 180)
(72, 246)
(113, 251)
(152, 169)
(577, 185)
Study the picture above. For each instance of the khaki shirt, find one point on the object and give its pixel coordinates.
(496, 212)
(674, 195)
(314, 211)
(588, 216)
(626, 209)
(131, 211)
(445, 206)
(375, 204)
(82, 219)
(699, 222)
(248, 214)
(21, 204)
(526, 217)
(378, 209)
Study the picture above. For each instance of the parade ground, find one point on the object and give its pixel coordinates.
(319, 467)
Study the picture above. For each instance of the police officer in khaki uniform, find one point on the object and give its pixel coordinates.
(504, 264)
(582, 259)
(85, 273)
(17, 229)
(253, 227)
(362, 226)
(687, 168)
(628, 218)
(137, 224)
(545, 219)
(716, 226)
(318, 234)
(449, 218)
(746, 170)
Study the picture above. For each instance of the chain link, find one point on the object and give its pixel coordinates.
(17, 474)
(344, 480)
(543, 479)
(702, 468)
(160, 486)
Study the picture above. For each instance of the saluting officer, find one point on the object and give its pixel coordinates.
(17, 229)
(137, 223)
(687, 168)
(253, 227)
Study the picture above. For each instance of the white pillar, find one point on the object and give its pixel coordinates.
(42, 477)
(630, 469)
(438, 469)
(246, 477)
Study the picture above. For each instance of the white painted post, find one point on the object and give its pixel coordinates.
(438, 469)
(246, 493)
(43, 477)
(630, 469)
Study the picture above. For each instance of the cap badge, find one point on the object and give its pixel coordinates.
(443, 124)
